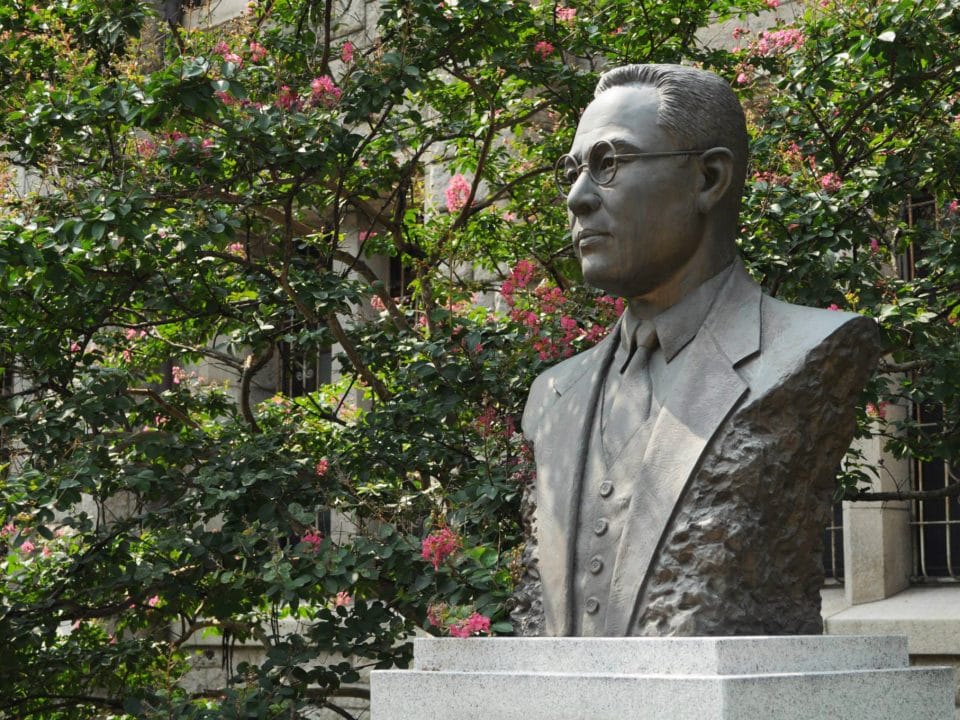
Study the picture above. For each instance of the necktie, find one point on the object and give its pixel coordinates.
(628, 395)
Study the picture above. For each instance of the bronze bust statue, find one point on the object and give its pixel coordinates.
(685, 464)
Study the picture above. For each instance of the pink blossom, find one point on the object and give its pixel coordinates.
(830, 182)
(46, 551)
(509, 217)
(877, 411)
(153, 601)
(287, 99)
(435, 614)
(127, 355)
(225, 97)
(833, 306)
(134, 334)
(520, 276)
(568, 323)
(221, 48)
(874, 245)
(8, 530)
(321, 467)
(74, 347)
(146, 148)
(343, 598)
(257, 52)
(176, 137)
(457, 193)
(594, 334)
(473, 625)
(773, 4)
(365, 235)
(232, 57)
(178, 374)
(742, 79)
(314, 539)
(543, 49)
(739, 32)
(324, 91)
(551, 298)
(206, 143)
(346, 52)
(27, 547)
(237, 248)
(485, 421)
(953, 206)
(376, 302)
(777, 42)
(438, 546)
(566, 15)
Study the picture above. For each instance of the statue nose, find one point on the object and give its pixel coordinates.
(583, 198)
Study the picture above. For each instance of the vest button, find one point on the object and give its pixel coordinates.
(601, 526)
(596, 564)
(606, 488)
(591, 605)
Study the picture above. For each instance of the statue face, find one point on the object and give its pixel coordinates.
(637, 232)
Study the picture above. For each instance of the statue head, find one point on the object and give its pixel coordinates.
(654, 179)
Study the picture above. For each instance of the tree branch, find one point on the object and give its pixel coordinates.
(169, 409)
(372, 380)
(892, 367)
(951, 490)
(251, 366)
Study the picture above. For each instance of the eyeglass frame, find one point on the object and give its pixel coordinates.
(616, 163)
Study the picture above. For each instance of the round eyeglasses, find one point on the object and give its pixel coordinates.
(601, 164)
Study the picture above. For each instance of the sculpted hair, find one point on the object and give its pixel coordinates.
(696, 107)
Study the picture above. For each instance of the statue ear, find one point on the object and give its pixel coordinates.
(716, 173)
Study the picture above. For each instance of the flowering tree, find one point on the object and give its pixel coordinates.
(180, 200)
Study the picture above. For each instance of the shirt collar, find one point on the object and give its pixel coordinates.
(678, 324)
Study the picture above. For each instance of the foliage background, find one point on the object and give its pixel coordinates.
(195, 195)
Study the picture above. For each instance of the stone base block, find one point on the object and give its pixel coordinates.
(736, 678)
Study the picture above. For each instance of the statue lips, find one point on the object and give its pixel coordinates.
(587, 239)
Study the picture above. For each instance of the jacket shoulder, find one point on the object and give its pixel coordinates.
(797, 338)
(549, 385)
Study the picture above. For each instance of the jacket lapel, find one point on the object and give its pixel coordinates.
(560, 445)
(698, 404)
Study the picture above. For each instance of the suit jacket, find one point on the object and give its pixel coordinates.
(730, 493)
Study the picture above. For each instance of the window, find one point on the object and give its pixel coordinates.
(936, 522)
(302, 370)
(6, 388)
(833, 547)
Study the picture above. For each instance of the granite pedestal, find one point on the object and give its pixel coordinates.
(724, 678)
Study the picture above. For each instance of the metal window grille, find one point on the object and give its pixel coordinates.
(6, 387)
(400, 277)
(302, 370)
(833, 547)
(935, 523)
